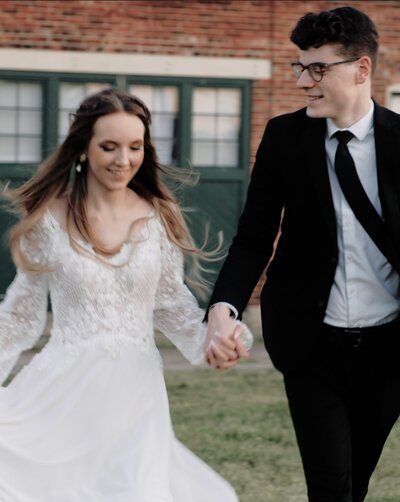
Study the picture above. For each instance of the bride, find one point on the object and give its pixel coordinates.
(87, 420)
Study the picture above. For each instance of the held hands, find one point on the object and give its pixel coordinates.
(227, 339)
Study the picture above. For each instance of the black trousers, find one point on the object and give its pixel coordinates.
(344, 403)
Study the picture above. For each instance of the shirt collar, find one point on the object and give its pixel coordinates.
(360, 128)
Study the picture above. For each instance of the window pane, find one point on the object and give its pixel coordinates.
(165, 99)
(28, 149)
(203, 153)
(7, 149)
(229, 101)
(8, 93)
(162, 102)
(228, 128)
(204, 127)
(8, 122)
(204, 101)
(70, 97)
(163, 126)
(143, 92)
(20, 117)
(216, 118)
(227, 154)
(29, 122)
(72, 94)
(64, 121)
(30, 95)
(157, 98)
(164, 150)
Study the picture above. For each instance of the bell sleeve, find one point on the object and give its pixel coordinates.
(177, 314)
(23, 312)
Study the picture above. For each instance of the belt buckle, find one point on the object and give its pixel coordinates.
(358, 333)
(358, 341)
(354, 331)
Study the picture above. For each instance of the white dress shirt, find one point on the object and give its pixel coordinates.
(365, 291)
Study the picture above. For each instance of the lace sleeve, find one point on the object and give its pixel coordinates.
(23, 312)
(177, 314)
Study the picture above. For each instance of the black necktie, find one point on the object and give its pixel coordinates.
(358, 200)
(349, 181)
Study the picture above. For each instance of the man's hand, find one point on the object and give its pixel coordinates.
(223, 345)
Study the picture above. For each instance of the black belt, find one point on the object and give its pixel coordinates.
(354, 337)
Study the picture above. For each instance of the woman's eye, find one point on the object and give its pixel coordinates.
(107, 148)
(136, 148)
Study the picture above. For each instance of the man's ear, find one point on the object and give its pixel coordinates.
(364, 69)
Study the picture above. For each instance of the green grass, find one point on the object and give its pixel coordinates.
(238, 422)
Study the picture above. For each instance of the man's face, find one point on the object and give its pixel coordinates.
(337, 95)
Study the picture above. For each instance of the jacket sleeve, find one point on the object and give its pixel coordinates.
(258, 226)
(23, 312)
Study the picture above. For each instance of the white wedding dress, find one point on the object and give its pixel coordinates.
(87, 420)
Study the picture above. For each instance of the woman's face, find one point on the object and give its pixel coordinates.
(115, 151)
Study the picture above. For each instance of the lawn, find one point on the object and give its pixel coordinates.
(238, 421)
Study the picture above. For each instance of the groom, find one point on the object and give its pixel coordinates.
(331, 302)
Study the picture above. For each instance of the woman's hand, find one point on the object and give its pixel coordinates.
(224, 346)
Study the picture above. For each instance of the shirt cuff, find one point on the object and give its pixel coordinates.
(234, 311)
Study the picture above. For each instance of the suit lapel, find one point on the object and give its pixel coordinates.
(387, 146)
(313, 140)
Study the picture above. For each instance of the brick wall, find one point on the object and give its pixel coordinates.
(237, 28)
(224, 28)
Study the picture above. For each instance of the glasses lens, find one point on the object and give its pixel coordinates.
(316, 72)
(297, 69)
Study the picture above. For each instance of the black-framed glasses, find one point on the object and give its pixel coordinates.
(316, 70)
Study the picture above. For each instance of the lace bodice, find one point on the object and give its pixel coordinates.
(96, 303)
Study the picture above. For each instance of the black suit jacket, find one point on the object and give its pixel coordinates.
(291, 173)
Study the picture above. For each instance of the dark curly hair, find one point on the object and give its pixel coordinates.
(352, 30)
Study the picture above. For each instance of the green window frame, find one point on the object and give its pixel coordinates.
(211, 177)
(185, 85)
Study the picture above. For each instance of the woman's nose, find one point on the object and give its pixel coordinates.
(122, 157)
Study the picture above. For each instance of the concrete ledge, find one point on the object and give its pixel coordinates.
(134, 64)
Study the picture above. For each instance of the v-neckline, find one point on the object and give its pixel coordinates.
(89, 247)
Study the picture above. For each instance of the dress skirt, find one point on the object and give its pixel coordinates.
(91, 430)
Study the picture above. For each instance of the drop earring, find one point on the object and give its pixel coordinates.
(82, 158)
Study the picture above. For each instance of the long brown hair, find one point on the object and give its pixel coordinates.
(56, 177)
